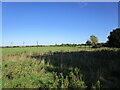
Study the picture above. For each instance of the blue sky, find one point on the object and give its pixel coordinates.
(56, 23)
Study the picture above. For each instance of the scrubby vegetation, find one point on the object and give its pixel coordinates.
(61, 67)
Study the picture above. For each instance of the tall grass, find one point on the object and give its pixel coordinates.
(61, 67)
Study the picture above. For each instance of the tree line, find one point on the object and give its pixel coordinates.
(113, 41)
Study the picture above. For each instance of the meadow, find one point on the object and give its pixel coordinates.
(60, 67)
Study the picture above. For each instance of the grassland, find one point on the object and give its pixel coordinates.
(21, 50)
(60, 67)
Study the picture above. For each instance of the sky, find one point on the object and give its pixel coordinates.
(57, 22)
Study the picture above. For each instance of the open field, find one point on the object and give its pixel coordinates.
(21, 50)
(60, 67)
(60, 45)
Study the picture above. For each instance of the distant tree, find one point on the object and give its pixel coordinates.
(94, 40)
(88, 42)
(114, 38)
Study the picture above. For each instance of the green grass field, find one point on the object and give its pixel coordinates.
(20, 50)
(60, 67)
